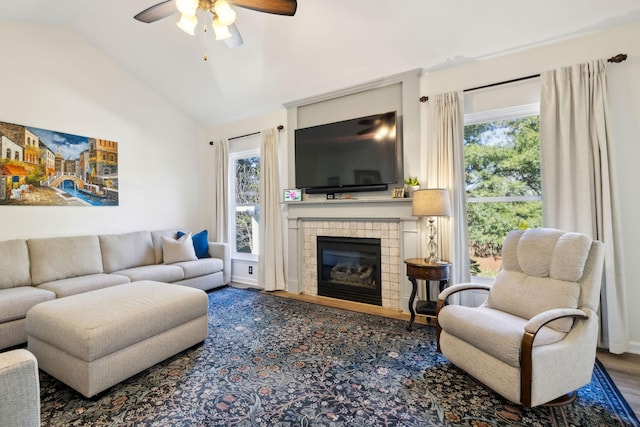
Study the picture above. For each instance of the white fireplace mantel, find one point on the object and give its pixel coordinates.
(381, 208)
(354, 217)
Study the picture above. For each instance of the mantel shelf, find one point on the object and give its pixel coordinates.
(385, 209)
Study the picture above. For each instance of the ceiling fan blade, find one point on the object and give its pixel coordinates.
(277, 7)
(236, 39)
(157, 12)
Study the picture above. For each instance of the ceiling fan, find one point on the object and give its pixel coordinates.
(219, 11)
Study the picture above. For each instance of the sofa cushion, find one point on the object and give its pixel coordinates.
(158, 273)
(57, 258)
(535, 250)
(570, 257)
(177, 250)
(14, 264)
(15, 302)
(156, 237)
(76, 285)
(541, 270)
(526, 296)
(200, 267)
(544, 252)
(127, 250)
(495, 332)
(200, 243)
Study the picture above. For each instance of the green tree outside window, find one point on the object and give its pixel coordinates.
(503, 186)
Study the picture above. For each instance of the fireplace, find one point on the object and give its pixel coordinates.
(349, 268)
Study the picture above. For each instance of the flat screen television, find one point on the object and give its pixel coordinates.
(359, 154)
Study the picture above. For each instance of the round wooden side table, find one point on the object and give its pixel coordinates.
(419, 269)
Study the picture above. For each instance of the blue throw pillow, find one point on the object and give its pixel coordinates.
(200, 243)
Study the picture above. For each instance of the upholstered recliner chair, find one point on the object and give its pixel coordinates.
(534, 339)
(19, 389)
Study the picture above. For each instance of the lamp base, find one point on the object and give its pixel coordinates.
(432, 246)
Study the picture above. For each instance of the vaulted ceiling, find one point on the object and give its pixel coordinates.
(328, 45)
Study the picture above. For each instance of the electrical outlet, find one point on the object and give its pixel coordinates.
(251, 269)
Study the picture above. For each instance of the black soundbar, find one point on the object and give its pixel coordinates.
(346, 189)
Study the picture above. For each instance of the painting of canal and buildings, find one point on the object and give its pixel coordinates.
(47, 168)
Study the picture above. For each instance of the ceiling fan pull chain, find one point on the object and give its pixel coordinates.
(205, 57)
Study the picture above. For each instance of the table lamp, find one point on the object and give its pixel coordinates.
(431, 202)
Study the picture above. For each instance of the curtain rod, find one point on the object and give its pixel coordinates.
(614, 59)
(280, 127)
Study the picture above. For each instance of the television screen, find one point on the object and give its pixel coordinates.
(350, 153)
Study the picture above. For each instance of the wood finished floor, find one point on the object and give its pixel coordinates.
(624, 369)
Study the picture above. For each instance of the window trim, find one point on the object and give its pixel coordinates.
(515, 112)
(233, 157)
(503, 199)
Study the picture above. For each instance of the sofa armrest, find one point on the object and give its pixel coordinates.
(454, 289)
(531, 329)
(222, 251)
(446, 293)
(19, 389)
(538, 321)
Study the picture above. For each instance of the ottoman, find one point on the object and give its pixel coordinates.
(94, 340)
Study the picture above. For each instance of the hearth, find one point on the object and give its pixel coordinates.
(349, 268)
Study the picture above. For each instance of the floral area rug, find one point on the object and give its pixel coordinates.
(273, 361)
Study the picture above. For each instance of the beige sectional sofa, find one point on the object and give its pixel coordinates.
(38, 270)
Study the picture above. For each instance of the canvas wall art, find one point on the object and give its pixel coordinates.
(47, 168)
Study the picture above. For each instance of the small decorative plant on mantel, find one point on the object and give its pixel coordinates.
(412, 184)
(412, 181)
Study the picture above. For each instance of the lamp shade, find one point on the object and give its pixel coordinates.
(220, 30)
(225, 14)
(188, 24)
(431, 202)
(187, 7)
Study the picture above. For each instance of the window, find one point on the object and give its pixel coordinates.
(245, 183)
(503, 182)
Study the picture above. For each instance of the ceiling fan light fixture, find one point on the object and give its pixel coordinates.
(236, 39)
(188, 24)
(187, 7)
(224, 12)
(222, 31)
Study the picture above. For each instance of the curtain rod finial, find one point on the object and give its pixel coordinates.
(618, 58)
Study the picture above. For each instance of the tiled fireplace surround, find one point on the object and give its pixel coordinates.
(389, 220)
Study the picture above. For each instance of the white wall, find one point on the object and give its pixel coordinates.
(624, 85)
(51, 78)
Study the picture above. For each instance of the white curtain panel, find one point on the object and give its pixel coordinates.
(579, 186)
(219, 231)
(270, 253)
(445, 169)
